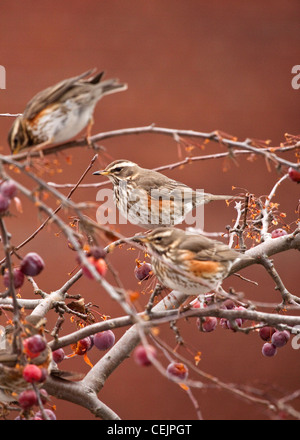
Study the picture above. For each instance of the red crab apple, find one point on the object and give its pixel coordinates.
(8, 189)
(48, 412)
(35, 344)
(268, 349)
(142, 271)
(280, 338)
(32, 264)
(294, 175)
(32, 373)
(99, 264)
(278, 233)
(140, 355)
(58, 355)
(18, 278)
(27, 399)
(104, 340)
(83, 346)
(266, 333)
(177, 370)
(4, 203)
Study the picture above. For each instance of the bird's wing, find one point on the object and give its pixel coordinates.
(160, 187)
(205, 249)
(53, 94)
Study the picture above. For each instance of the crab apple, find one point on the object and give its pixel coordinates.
(8, 189)
(104, 340)
(269, 349)
(237, 321)
(32, 373)
(99, 264)
(228, 304)
(97, 252)
(27, 399)
(32, 264)
(4, 203)
(58, 355)
(18, 278)
(48, 412)
(266, 333)
(143, 271)
(177, 370)
(209, 324)
(35, 344)
(280, 338)
(141, 355)
(278, 233)
(224, 323)
(240, 308)
(294, 175)
(83, 346)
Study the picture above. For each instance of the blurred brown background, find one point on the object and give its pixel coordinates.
(189, 64)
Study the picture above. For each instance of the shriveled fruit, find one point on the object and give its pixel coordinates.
(143, 271)
(177, 370)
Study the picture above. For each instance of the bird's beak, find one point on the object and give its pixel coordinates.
(140, 238)
(101, 173)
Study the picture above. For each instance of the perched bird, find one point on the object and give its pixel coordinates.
(60, 112)
(15, 355)
(24, 345)
(149, 198)
(190, 263)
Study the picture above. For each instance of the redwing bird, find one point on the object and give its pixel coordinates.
(190, 263)
(15, 355)
(60, 112)
(149, 198)
(13, 359)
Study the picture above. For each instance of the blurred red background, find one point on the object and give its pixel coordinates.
(189, 65)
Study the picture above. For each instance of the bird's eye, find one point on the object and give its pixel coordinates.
(117, 170)
(16, 141)
(158, 239)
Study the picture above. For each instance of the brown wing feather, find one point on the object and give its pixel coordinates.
(52, 94)
(205, 249)
(165, 188)
(160, 186)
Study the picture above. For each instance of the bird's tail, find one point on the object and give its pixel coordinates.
(111, 86)
(211, 197)
(203, 198)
